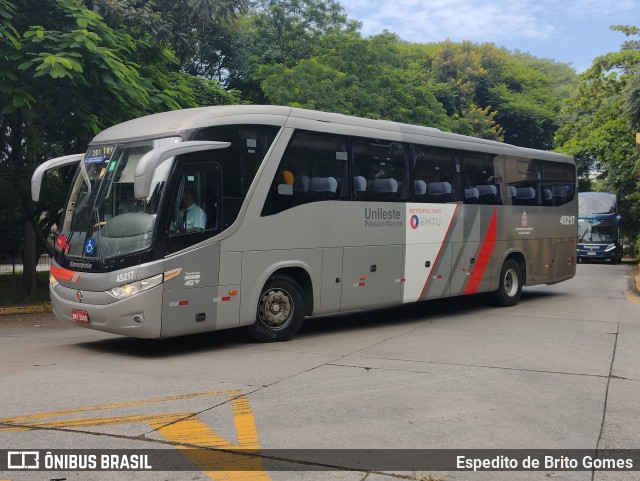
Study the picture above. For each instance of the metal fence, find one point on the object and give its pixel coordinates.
(11, 244)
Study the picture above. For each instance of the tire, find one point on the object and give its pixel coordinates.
(510, 284)
(280, 311)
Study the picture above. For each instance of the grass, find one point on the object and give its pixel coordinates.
(11, 290)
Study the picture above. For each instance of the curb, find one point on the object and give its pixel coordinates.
(636, 277)
(25, 309)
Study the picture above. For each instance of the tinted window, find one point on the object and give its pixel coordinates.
(481, 185)
(523, 181)
(380, 170)
(558, 183)
(436, 174)
(240, 162)
(195, 212)
(313, 168)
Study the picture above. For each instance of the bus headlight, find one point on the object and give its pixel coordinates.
(128, 290)
(53, 282)
(610, 247)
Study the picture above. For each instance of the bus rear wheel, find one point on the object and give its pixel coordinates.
(510, 284)
(280, 310)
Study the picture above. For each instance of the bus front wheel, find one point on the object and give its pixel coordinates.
(280, 310)
(510, 284)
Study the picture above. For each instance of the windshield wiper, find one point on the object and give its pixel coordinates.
(582, 236)
(98, 227)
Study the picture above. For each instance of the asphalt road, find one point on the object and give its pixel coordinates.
(561, 370)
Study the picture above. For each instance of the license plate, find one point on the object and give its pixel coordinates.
(80, 316)
(591, 253)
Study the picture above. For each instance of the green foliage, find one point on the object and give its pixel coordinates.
(7, 32)
(194, 30)
(599, 131)
(295, 28)
(278, 32)
(471, 89)
(72, 67)
(66, 74)
(12, 292)
(632, 90)
(356, 76)
(519, 95)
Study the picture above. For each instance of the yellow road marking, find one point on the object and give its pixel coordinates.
(80, 423)
(183, 429)
(230, 393)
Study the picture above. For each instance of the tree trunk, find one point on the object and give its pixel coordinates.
(29, 260)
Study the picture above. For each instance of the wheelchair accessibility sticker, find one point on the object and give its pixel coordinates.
(90, 247)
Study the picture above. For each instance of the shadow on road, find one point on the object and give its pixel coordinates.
(319, 326)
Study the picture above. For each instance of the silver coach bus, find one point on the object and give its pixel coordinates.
(218, 217)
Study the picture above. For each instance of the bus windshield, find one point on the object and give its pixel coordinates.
(602, 231)
(591, 203)
(102, 219)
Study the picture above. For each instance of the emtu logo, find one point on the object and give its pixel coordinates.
(414, 222)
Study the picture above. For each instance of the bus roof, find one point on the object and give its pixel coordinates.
(176, 122)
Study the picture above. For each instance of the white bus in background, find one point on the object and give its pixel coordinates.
(305, 213)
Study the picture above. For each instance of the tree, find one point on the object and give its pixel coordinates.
(278, 32)
(471, 89)
(194, 30)
(54, 59)
(363, 77)
(632, 93)
(65, 74)
(599, 132)
(497, 94)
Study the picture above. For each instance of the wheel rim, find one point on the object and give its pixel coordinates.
(510, 283)
(276, 308)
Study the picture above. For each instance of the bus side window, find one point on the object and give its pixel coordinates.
(196, 211)
(558, 183)
(380, 170)
(312, 169)
(436, 174)
(481, 184)
(524, 178)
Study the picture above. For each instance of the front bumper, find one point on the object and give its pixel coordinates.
(599, 253)
(136, 316)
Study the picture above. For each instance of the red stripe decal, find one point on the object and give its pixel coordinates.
(446, 236)
(477, 273)
(65, 275)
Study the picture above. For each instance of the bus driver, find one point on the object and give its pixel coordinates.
(193, 217)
